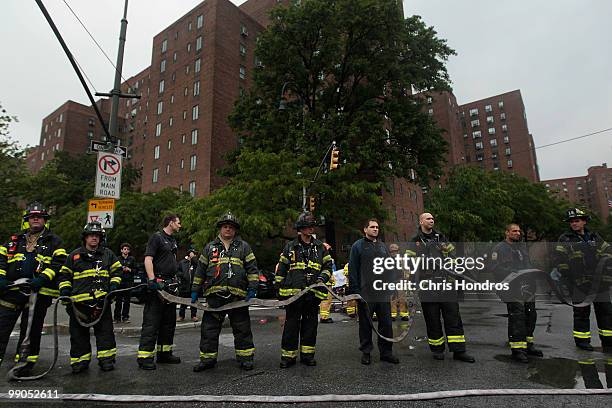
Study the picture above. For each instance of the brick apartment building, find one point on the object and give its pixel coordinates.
(593, 191)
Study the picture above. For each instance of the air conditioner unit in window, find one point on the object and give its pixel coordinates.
(244, 32)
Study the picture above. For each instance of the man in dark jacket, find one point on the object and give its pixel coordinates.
(36, 254)
(576, 257)
(128, 270)
(507, 257)
(438, 303)
(185, 274)
(304, 261)
(361, 281)
(227, 270)
(89, 274)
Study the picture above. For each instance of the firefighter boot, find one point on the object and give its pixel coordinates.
(287, 362)
(532, 351)
(166, 357)
(520, 356)
(205, 365)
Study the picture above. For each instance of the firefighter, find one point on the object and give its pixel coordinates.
(89, 274)
(326, 305)
(351, 305)
(159, 317)
(227, 270)
(304, 261)
(576, 256)
(510, 256)
(37, 254)
(399, 301)
(128, 269)
(185, 274)
(437, 304)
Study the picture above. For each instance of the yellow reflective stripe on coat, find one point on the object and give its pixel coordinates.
(327, 258)
(65, 269)
(456, 339)
(115, 266)
(297, 266)
(16, 258)
(2, 272)
(49, 273)
(561, 248)
(115, 279)
(250, 257)
(314, 265)
(252, 277)
(231, 289)
(42, 258)
(60, 252)
(65, 284)
(3, 250)
(288, 291)
(49, 292)
(284, 260)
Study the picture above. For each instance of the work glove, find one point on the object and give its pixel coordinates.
(4, 284)
(37, 283)
(194, 297)
(67, 291)
(320, 279)
(251, 293)
(153, 285)
(555, 275)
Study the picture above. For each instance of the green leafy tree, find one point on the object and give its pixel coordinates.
(13, 173)
(348, 68)
(476, 205)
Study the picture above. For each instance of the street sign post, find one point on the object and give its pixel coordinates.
(108, 175)
(99, 146)
(103, 211)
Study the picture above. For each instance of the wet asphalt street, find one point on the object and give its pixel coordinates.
(339, 370)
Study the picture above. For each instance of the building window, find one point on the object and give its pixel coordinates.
(167, 169)
(164, 46)
(188, 47)
(465, 135)
(475, 123)
(170, 121)
(494, 155)
(155, 175)
(243, 50)
(504, 128)
(506, 139)
(491, 131)
(59, 132)
(189, 26)
(47, 126)
(476, 134)
(502, 116)
(192, 162)
(161, 86)
(479, 157)
(160, 107)
(158, 129)
(169, 144)
(199, 43)
(493, 142)
(488, 108)
(490, 119)
(184, 115)
(90, 135)
(243, 30)
(42, 156)
(186, 91)
(509, 164)
(478, 145)
(430, 111)
(194, 136)
(162, 66)
(44, 143)
(196, 88)
(156, 152)
(474, 112)
(174, 56)
(199, 21)
(500, 104)
(195, 112)
(182, 164)
(192, 188)
(90, 122)
(508, 151)
(242, 72)
(61, 118)
(198, 64)
(171, 98)
(183, 138)
(495, 166)
(429, 100)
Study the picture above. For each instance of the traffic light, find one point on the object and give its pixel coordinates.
(335, 159)
(311, 203)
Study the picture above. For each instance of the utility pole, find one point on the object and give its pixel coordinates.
(116, 94)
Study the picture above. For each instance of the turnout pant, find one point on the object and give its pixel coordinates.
(212, 322)
(122, 306)
(158, 324)
(399, 304)
(603, 314)
(8, 318)
(453, 327)
(301, 321)
(80, 346)
(522, 318)
(385, 326)
(325, 307)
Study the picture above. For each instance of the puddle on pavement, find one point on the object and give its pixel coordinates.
(567, 373)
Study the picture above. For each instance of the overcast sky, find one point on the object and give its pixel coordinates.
(556, 52)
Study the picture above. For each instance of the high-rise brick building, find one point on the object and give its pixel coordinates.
(593, 191)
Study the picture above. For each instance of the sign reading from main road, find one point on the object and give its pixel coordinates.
(108, 175)
(103, 211)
